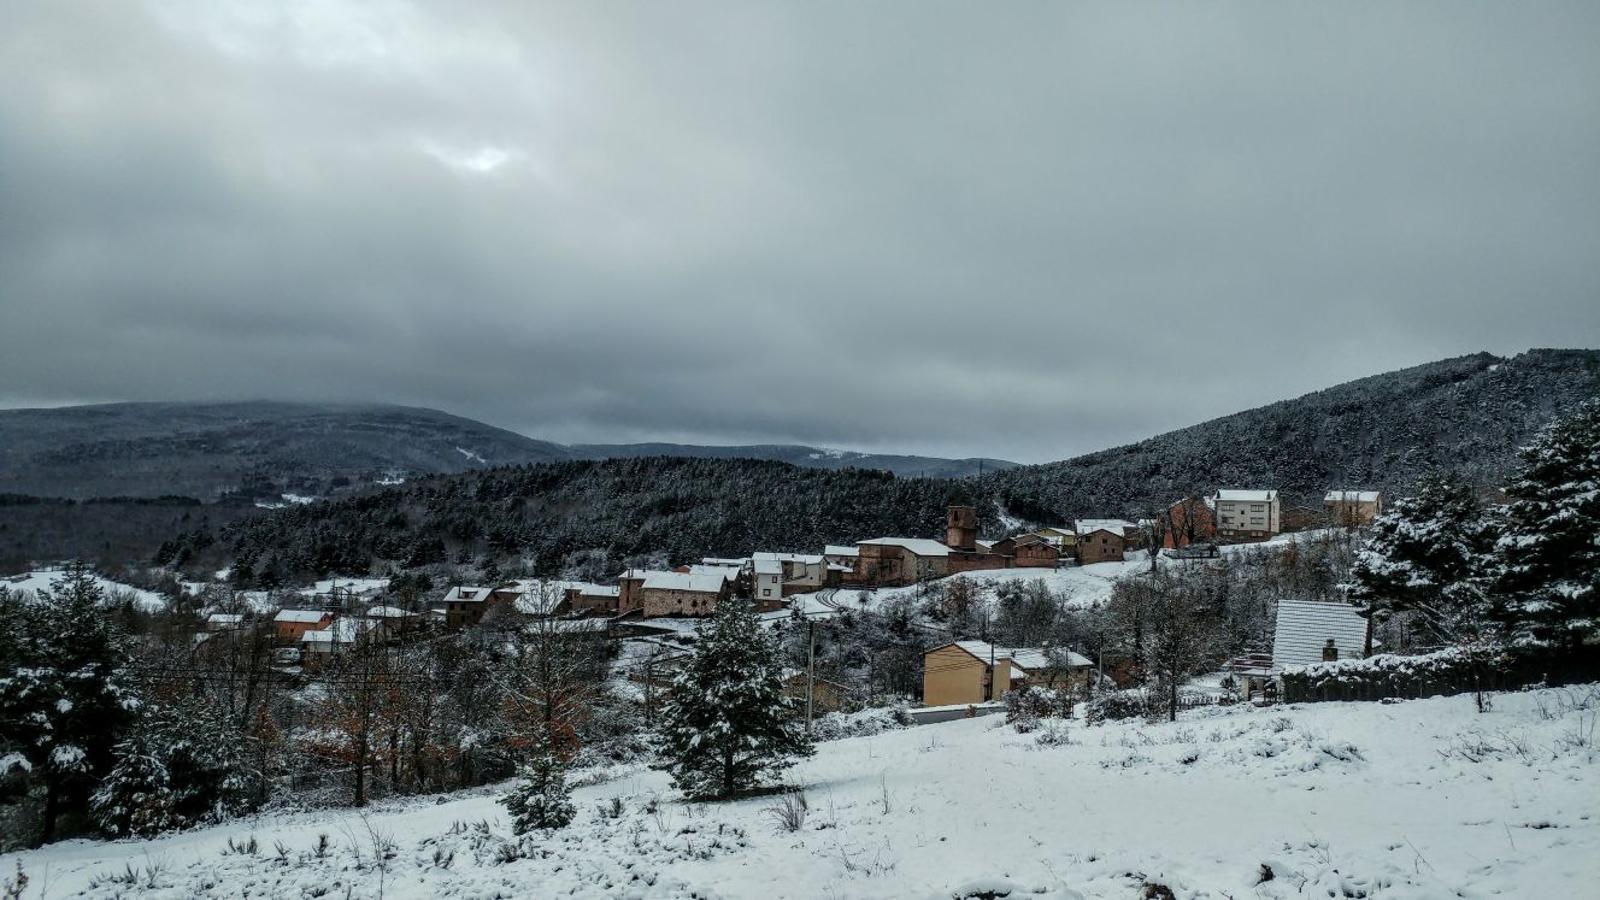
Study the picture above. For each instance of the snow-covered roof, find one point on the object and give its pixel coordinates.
(983, 650)
(1351, 497)
(764, 566)
(837, 550)
(809, 559)
(684, 581)
(1247, 496)
(919, 546)
(726, 573)
(386, 612)
(1026, 540)
(225, 618)
(1029, 659)
(342, 631)
(724, 561)
(1304, 627)
(1033, 660)
(1119, 527)
(466, 594)
(589, 589)
(299, 616)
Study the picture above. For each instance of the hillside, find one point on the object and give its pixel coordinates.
(605, 509)
(809, 457)
(1470, 414)
(259, 450)
(1420, 799)
(203, 449)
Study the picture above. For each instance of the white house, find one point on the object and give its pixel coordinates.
(1247, 515)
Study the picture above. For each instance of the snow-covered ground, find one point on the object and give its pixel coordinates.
(1421, 799)
(362, 585)
(1082, 586)
(40, 579)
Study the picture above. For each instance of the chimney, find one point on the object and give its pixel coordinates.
(1330, 653)
(961, 532)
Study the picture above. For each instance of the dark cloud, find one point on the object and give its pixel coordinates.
(1027, 231)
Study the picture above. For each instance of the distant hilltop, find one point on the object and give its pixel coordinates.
(279, 453)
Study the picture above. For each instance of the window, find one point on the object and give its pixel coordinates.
(766, 592)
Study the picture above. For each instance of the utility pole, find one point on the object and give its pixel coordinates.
(991, 659)
(811, 667)
(649, 683)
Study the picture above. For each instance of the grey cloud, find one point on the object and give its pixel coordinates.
(928, 227)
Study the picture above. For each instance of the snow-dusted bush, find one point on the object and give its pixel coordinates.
(1450, 671)
(1113, 706)
(1024, 708)
(837, 725)
(1053, 734)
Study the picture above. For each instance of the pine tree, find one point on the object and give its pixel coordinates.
(541, 799)
(1550, 548)
(63, 702)
(136, 797)
(1430, 555)
(183, 765)
(727, 724)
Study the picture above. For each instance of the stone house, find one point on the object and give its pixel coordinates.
(671, 593)
(584, 598)
(466, 605)
(1099, 543)
(1353, 508)
(1033, 551)
(893, 561)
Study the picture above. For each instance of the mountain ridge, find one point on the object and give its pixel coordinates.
(259, 449)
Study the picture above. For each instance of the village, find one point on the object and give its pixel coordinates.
(651, 612)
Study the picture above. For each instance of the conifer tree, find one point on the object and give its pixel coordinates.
(540, 800)
(1550, 547)
(727, 724)
(1430, 555)
(136, 798)
(63, 699)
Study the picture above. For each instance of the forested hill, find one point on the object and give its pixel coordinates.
(1470, 414)
(259, 451)
(606, 509)
(204, 449)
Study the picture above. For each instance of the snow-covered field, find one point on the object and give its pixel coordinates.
(1420, 799)
(40, 579)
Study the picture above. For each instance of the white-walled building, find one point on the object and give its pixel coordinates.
(1247, 515)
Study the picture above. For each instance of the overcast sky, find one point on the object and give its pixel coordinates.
(1022, 230)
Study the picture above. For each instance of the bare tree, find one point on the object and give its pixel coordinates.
(556, 666)
(1173, 625)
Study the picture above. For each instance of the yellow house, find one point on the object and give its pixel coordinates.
(965, 672)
